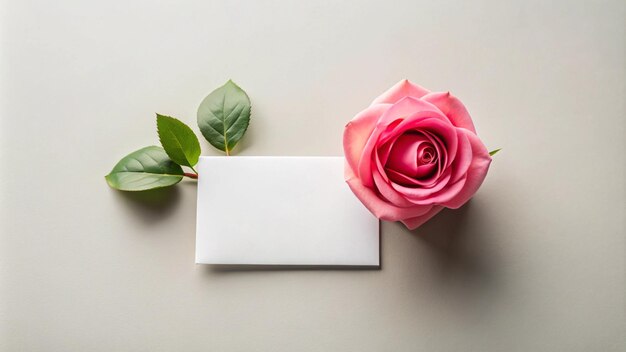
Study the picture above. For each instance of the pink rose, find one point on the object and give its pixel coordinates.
(412, 153)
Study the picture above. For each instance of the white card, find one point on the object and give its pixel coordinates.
(281, 210)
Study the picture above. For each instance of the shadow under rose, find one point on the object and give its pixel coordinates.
(461, 251)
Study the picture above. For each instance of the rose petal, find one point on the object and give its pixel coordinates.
(381, 209)
(358, 130)
(463, 158)
(423, 196)
(453, 108)
(383, 151)
(389, 193)
(425, 170)
(400, 90)
(409, 106)
(365, 163)
(442, 155)
(406, 181)
(444, 195)
(380, 168)
(418, 221)
(403, 156)
(442, 132)
(475, 173)
(415, 122)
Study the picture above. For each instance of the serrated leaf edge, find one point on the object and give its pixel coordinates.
(177, 140)
(245, 129)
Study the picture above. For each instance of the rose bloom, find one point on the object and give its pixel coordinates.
(412, 153)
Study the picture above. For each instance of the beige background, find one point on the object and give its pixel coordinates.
(534, 263)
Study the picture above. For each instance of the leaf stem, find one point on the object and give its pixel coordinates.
(194, 170)
(190, 175)
(227, 151)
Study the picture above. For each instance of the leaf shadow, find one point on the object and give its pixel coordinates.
(153, 205)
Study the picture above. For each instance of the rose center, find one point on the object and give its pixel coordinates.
(412, 156)
(426, 154)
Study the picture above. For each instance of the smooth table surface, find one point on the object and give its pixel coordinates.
(534, 263)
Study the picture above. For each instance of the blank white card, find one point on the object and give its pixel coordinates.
(281, 211)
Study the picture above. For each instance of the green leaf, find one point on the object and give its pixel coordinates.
(493, 152)
(178, 140)
(224, 115)
(144, 169)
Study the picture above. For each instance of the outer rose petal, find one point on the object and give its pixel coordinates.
(463, 158)
(417, 221)
(376, 205)
(475, 174)
(390, 194)
(453, 108)
(358, 131)
(400, 90)
(409, 109)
